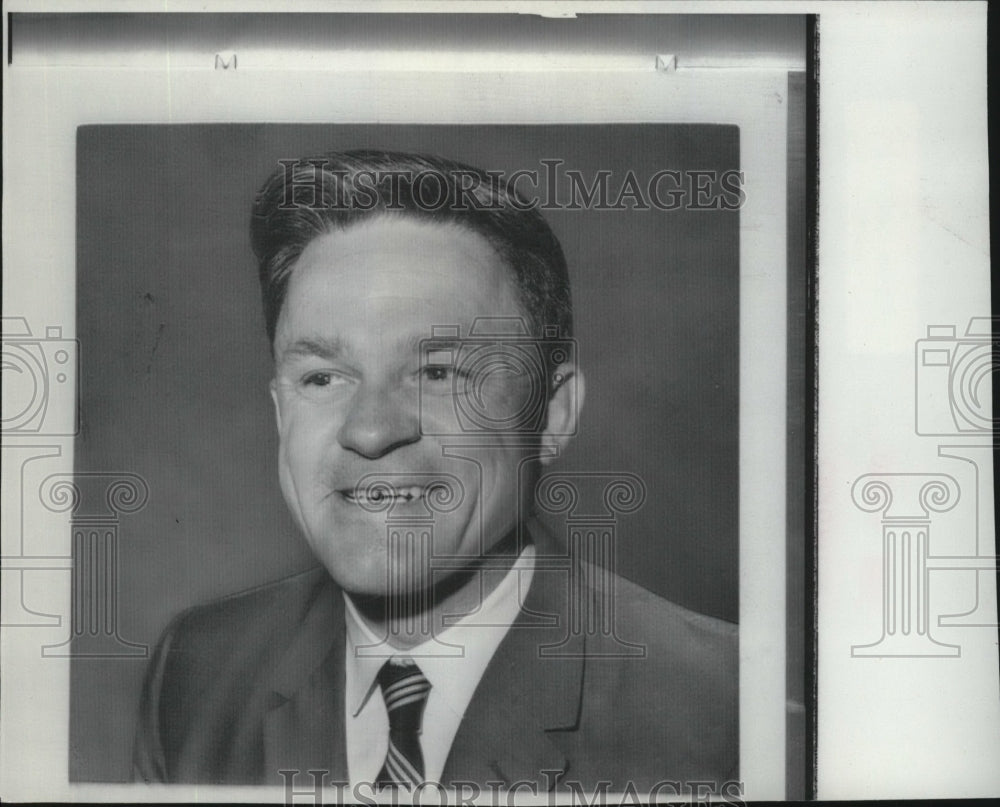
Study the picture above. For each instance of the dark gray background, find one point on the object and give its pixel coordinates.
(175, 365)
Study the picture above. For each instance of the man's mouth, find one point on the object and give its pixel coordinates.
(380, 495)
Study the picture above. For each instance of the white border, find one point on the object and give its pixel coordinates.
(904, 244)
(46, 105)
(886, 729)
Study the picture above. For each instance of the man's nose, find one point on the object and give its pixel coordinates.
(379, 420)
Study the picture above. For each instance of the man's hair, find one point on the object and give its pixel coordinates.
(306, 198)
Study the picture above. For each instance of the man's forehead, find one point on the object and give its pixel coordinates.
(399, 258)
(335, 345)
(394, 283)
(403, 235)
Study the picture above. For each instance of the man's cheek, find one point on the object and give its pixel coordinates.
(513, 404)
(291, 495)
(438, 416)
(298, 463)
(305, 428)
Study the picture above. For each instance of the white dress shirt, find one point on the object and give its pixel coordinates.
(454, 665)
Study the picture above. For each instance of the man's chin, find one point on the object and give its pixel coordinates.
(378, 603)
(369, 574)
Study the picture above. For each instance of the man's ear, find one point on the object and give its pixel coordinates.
(565, 402)
(273, 387)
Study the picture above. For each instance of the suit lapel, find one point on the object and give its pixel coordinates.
(304, 727)
(530, 694)
(531, 688)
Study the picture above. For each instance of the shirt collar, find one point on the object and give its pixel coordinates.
(455, 660)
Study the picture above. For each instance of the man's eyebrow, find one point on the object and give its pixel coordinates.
(321, 346)
(423, 344)
(326, 347)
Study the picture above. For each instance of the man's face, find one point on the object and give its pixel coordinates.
(352, 391)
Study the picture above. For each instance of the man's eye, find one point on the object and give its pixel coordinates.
(438, 373)
(318, 380)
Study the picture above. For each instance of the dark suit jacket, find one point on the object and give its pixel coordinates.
(252, 684)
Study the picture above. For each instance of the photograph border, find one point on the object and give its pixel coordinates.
(750, 91)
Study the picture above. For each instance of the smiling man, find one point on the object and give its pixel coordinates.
(420, 322)
(356, 400)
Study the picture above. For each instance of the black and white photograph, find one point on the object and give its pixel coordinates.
(426, 405)
(399, 421)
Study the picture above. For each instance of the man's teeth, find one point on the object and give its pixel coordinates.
(381, 494)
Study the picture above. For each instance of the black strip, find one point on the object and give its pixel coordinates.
(800, 217)
(10, 37)
(795, 485)
(810, 460)
(991, 142)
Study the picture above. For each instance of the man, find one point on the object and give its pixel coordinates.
(420, 321)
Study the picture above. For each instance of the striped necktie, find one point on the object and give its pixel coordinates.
(404, 690)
